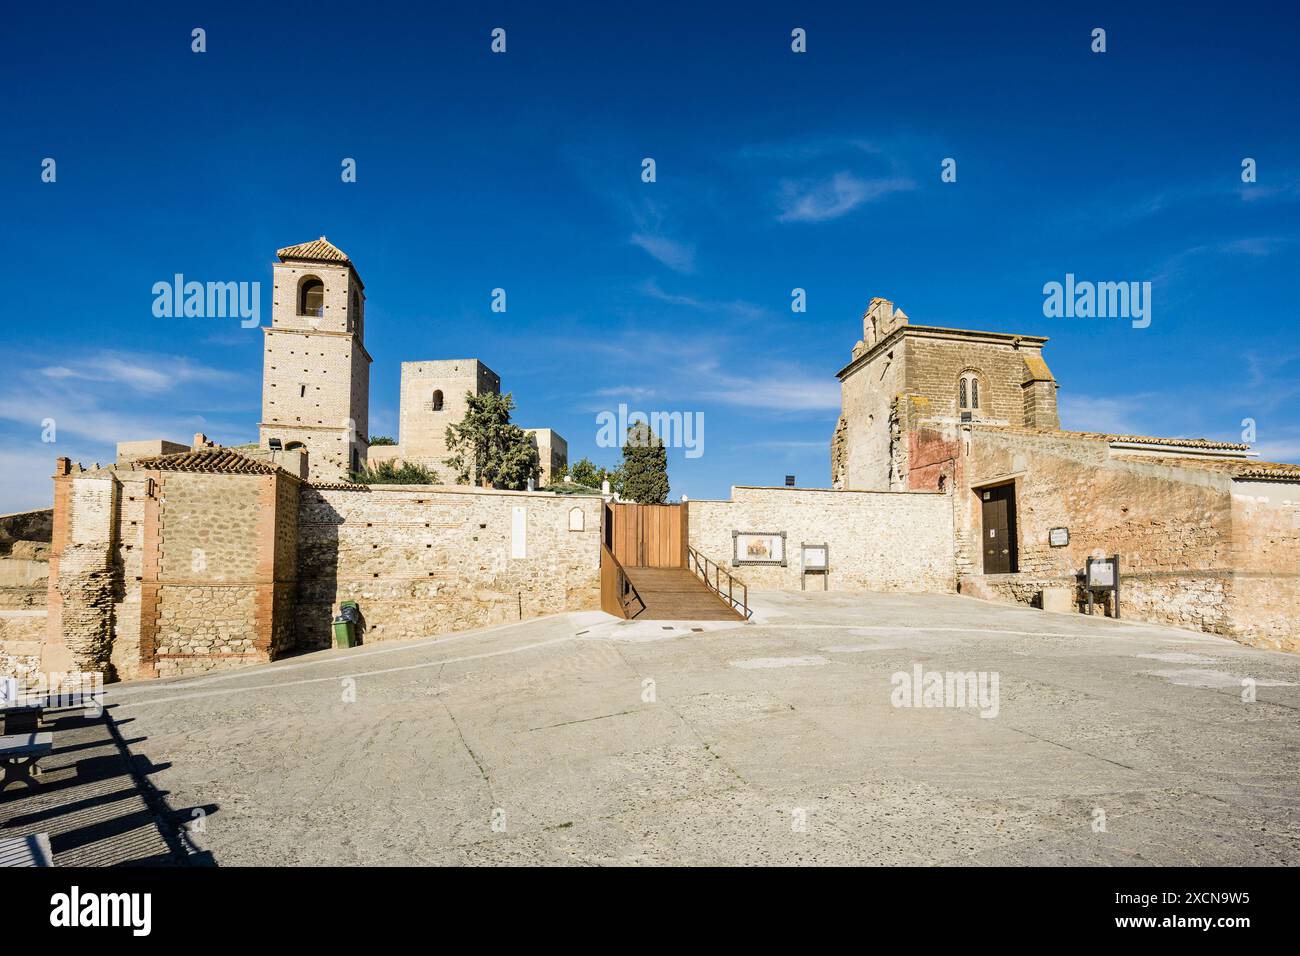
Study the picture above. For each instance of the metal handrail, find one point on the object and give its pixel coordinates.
(701, 568)
(626, 589)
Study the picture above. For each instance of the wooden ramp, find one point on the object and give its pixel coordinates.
(676, 594)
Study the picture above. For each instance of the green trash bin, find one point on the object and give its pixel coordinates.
(344, 632)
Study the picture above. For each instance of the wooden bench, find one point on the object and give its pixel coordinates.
(19, 753)
(31, 850)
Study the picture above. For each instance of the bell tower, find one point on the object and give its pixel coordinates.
(316, 370)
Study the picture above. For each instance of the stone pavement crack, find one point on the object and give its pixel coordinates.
(583, 720)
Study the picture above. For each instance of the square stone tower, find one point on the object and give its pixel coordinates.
(903, 374)
(316, 370)
(552, 454)
(433, 397)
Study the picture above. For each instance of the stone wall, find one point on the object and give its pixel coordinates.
(137, 523)
(877, 541)
(82, 579)
(24, 577)
(26, 526)
(1264, 603)
(226, 571)
(422, 561)
(1192, 554)
(867, 394)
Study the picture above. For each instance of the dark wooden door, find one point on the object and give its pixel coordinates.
(999, 529)
(649, 536)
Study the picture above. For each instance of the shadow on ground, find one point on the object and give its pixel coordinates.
(96, 799)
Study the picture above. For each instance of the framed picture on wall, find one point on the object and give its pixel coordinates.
(758, 547)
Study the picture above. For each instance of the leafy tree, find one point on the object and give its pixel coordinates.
(388, 473)
(487, 449)
(381, 440)
(584, 472)
(645, 466)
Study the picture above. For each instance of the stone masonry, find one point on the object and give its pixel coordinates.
(877, 541)
(422, 561)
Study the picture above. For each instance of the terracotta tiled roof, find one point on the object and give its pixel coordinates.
(338, 486)
(1205, 443)
(1277, 470)
(217, 461)
(1183, 442)
(318, 250)
(1259, 470)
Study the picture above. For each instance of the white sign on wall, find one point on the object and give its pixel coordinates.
(519, 532)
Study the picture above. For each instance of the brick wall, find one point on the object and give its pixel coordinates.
(878, 541)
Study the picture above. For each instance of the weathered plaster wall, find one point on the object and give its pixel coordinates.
(1171, 526)
(421, 561)
(866, 400)
(878, 541)
(1265, 598)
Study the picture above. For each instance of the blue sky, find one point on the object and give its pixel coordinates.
(775, 170)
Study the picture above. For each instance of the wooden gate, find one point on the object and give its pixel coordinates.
(648, 536)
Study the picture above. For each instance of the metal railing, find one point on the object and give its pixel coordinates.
(700, 565)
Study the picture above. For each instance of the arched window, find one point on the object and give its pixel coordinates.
(968, 392)
(436, 404)
(294, 446)
(311, 297)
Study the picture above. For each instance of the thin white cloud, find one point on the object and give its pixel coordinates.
(143, 372)
(121, 396)
(678, 256)
(777, 390)
(736, 307)
(825, 199)
(627, 393)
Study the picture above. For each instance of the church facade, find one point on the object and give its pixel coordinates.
(1207, 536)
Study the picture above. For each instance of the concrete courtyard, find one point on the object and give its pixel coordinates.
(578, 739)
